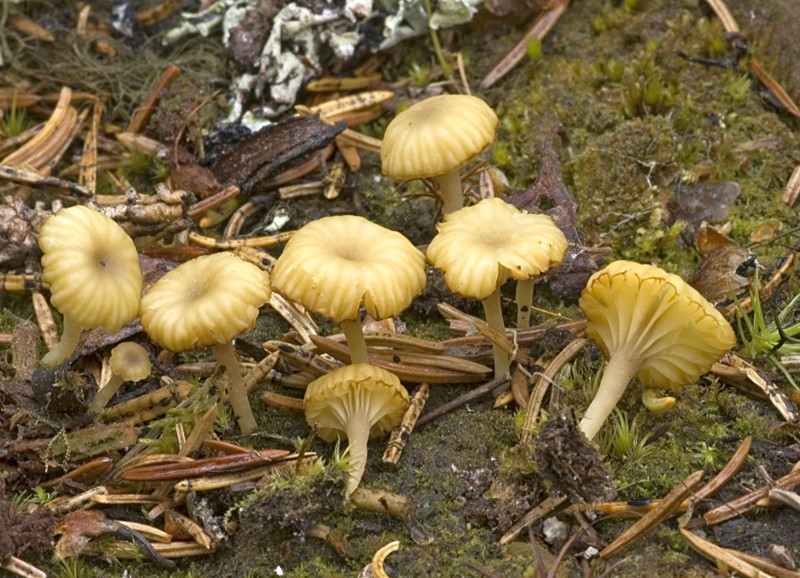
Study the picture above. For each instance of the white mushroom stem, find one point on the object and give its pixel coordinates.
(105, 393)
(357, 430)
(524, 301)
(65, 347)
(237, 394)
(450, 188)
(619, 371)
(355, 340)
(494, 317)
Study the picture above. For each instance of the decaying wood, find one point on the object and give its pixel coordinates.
(401, 434)
(274, 149)
(737, 371)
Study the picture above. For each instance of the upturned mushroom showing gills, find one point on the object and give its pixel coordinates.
(129, 362)
(652, 325)
(356, 401)
(335, 265)
(92, 268)
(480, 247)
(435, 138)
(207, 302)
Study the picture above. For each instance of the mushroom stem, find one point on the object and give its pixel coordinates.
(105, 393)
(355, 340)
(450, 188)
(357, 430)
(524, 301)
(237, 394)
(619, 372)
(494, 317)
(65, 347)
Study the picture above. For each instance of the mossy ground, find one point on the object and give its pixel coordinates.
(638, 120)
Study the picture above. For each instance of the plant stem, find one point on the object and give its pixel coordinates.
(65, 347)
(437, 47)
(494, 317)
(452, 194)
(357, 430)
(524, 301)
(236, 392)
(105, 393)
(619, 372)
(355, 340)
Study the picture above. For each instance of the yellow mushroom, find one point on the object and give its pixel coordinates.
(335, 265)
(207, 302)
(480, 247)
(356, 401)
(435, 138)
(129, 362)
(92, 268)
(652, 325)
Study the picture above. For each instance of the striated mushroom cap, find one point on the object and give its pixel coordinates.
(659, 319)
(481, 246)
(130, 361)
(334, 264)
(92, 268)
(351, 392)
(205, 301)
(436, 136)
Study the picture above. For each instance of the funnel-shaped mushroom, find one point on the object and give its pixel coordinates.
(651, 324)
(93, 270)
(335, 264)
(356, 401)
(435, 138)
(480, 247)
(209, 301)
(129, 362)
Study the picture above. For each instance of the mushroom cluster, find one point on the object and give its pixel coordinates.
(652, 325)
(480, 247)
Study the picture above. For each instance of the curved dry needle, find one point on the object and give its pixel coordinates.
(379, 558)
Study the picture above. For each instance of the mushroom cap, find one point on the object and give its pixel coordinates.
(130, 361)
(206, 301)
(358, 389)
(333, 264)
(481, 246)
(92, 268)
(437, 136)
(659, 319)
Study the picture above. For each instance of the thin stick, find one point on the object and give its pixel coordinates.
(540, 511)
(655, 516)
(544, 23)
(542, 383)
(474, 394)
(402, 433)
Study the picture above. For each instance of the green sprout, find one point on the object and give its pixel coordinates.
(767, 340)
(623, 439)
(15, 122)
(707, 455)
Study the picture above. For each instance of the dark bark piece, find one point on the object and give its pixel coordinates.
(273, 150)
